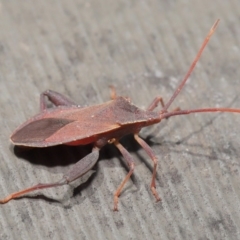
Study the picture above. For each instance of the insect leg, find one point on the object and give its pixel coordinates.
(77, 170)
(150, 152)
(130, 162)
(155, 102)
(113, 94)
(56, 98)
(82, 166)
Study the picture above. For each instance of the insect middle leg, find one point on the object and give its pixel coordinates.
(130, 162)
(55, 98)
(151, 154)
(113, 93)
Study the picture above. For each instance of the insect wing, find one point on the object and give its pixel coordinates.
(63, 125)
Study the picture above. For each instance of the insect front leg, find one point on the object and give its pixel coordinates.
(151, 154)
(130, 162)
(155, 102)
(77, 170)
(55, 98)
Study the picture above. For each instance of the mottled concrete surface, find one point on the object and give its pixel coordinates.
(143, 48)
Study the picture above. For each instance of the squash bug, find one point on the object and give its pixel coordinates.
(67, 123)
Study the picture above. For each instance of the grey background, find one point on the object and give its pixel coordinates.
(143, 48)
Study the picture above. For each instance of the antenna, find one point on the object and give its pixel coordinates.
(182, 83)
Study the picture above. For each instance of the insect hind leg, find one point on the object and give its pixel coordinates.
(57, 99)
(76, 171)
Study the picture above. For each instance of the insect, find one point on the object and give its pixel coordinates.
(70, 124)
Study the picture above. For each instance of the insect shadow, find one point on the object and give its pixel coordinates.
(62, 156)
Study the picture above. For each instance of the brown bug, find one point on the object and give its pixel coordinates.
(71, 124)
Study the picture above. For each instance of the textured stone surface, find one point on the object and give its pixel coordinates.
(143, 48)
